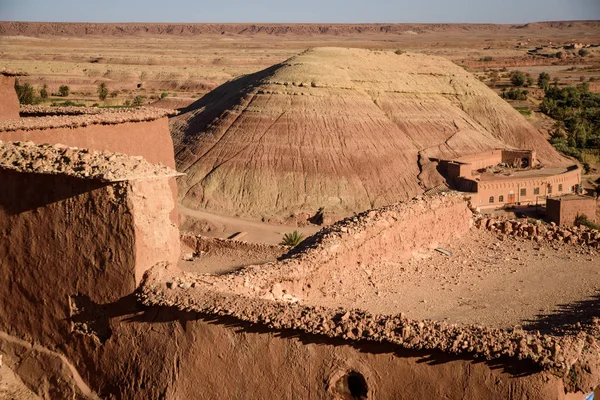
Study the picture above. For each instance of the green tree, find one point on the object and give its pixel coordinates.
(64, 90)
(44, 91)
(544, 80)
(25, 93)
(102, 91)
(518, 78)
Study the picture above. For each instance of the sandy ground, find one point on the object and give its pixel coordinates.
(11, 387)
(485, 281)
(259, 232)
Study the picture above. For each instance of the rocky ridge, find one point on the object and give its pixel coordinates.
(181, 29)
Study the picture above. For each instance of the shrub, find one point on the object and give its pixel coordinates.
(64, 90)
(127, 103)
(292, 239)
(486, 59)
(44, 91)
(102, 91)
(399, 52)
(584, 52)
(138, 101)
(67, 103)
(163, 95)
(582, 220)
(529, 81)
(114, 94)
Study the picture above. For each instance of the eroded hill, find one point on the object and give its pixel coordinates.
(344, 129)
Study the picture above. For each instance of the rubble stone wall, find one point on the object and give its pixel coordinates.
(9, 103)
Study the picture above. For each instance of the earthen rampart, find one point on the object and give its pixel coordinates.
(9, 103)
(134, 132)
(190, 293)
(386, 234)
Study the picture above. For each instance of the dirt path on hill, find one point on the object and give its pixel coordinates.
(258, 232)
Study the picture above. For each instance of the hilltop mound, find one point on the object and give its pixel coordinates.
(344, 129)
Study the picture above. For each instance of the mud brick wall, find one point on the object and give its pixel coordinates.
(9, 103)
(68, 248)
(564, 211)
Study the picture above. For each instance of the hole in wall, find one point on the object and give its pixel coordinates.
(357, 385)
(351, 385)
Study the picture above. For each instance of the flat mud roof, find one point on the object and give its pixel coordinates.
(28, 157)
(38, 117)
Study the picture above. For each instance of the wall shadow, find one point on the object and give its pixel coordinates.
(24, 192)
(155, 314)
(567, 319)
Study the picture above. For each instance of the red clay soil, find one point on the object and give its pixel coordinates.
(326, 129)
(136, 132)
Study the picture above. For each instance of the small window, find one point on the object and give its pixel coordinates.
(491, 199)
(523, 192)
(500, 199)
(549, 189)
(536, 190)
(560, 187)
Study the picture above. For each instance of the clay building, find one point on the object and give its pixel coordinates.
(502, 177)
(564, 209)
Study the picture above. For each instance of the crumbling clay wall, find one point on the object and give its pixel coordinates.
(9, 103)
(385, 234)
(564, 210)
(67, 246)
(148, 139)
(161, 352)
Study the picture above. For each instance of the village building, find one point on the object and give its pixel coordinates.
(565, 209)
(502, 177)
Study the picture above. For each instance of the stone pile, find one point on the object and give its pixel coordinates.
(56, 159)
(541, 232)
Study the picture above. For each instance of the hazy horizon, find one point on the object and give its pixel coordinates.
(308, 12)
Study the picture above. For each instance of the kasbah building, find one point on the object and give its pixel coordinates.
(501, 178)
